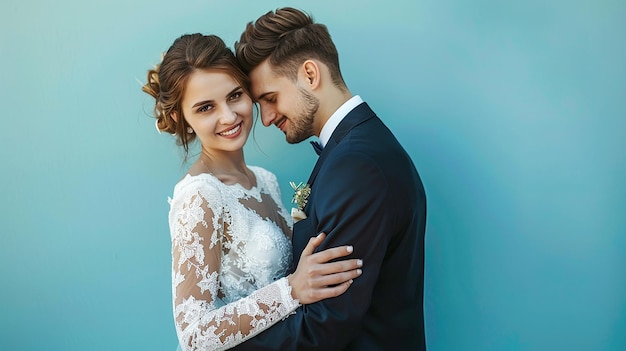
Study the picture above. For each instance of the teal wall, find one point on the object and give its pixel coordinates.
(514, 113)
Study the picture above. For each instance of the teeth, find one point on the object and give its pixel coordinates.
(232, 131)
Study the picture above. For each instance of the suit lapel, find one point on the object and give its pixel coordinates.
(358, 115)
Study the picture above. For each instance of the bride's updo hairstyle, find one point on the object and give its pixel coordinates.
(167, 81)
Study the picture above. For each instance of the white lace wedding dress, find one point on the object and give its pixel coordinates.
(231, 251)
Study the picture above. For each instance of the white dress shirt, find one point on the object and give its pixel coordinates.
(337, 117)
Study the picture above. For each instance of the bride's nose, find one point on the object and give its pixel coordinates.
(227, 115)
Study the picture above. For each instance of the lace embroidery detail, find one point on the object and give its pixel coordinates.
(230, 250)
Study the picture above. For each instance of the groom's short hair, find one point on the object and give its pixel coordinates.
(287, 37)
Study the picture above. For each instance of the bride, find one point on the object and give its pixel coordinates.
(231, 235)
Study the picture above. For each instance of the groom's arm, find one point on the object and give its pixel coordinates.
(353, 207)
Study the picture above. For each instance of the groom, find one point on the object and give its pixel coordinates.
(365, 192)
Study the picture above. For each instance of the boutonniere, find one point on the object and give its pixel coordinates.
(300, 198)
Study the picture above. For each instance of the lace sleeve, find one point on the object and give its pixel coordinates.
(203, 321)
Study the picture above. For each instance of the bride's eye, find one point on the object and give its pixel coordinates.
(205, 108)
(235, 95)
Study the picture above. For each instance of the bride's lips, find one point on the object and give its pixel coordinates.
(232, 132)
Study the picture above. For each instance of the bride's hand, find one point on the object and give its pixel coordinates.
(316, 278)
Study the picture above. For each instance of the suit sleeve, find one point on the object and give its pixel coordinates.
(353, 207)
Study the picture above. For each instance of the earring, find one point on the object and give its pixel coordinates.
(189, 130)
(156, 124)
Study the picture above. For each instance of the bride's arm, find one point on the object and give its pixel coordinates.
(203, 320)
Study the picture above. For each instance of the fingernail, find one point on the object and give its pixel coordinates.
(320, 234)
(349, 248)
(358, 271)
(359, 263)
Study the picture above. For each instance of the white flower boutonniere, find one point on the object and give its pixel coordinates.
(300, 198)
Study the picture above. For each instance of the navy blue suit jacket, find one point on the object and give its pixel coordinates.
(365, 192)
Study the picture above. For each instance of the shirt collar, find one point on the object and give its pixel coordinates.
(337, 117)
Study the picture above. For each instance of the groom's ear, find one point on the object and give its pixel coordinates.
(311, 74)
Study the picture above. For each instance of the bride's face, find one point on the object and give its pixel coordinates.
(218, 110)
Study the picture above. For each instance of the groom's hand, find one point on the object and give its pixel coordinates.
(316, 278)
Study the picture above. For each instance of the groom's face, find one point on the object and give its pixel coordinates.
(284, 103)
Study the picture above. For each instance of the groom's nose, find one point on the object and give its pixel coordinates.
(267, 115)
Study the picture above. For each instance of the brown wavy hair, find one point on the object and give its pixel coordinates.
(167, 81)
(287, 37)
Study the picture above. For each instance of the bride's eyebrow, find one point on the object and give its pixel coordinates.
(200, 103)
(204, 102)
(237, 88)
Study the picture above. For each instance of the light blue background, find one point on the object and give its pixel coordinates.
(514, 113)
